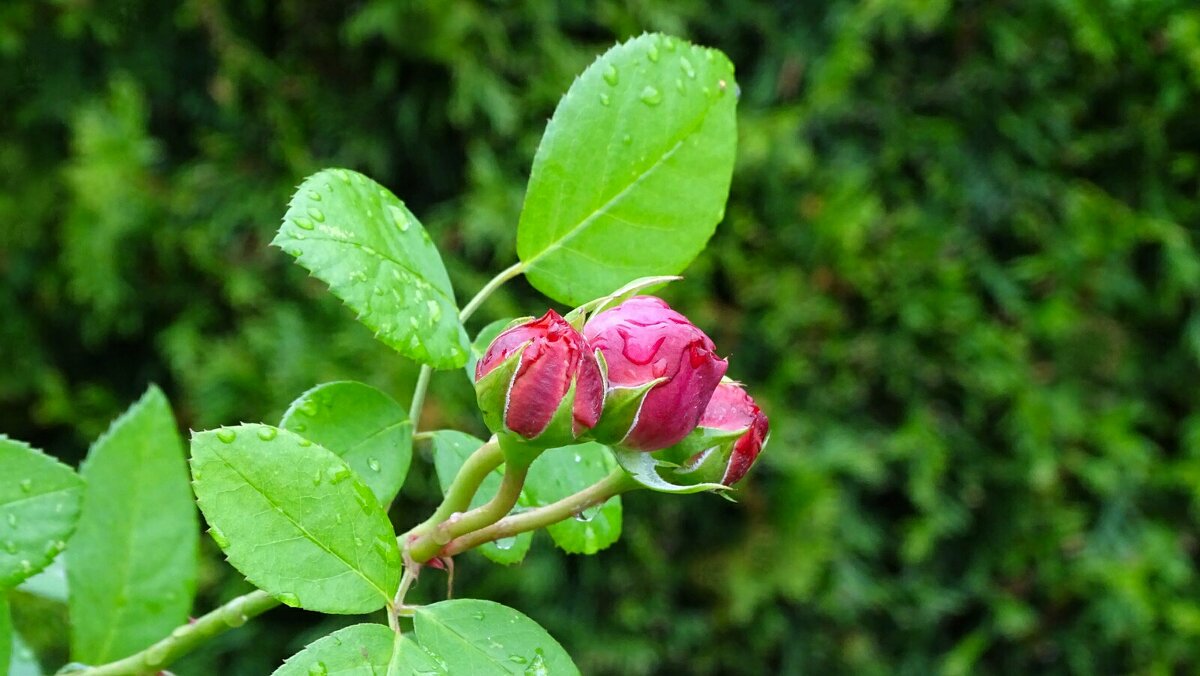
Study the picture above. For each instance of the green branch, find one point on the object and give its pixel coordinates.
(618, 481)
(188, 637)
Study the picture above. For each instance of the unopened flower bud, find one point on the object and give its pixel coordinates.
(540, 380)
(661, 372)
(731, 434)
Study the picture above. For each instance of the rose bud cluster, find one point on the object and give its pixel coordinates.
(640, 377)
(541, 382)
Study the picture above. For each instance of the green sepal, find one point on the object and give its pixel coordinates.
(621, 407)
(698, 441)
(491, 391)
(644, 469)
(579, 315)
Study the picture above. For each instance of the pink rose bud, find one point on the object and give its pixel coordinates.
(661, 372)
(731, 434)
(540, 380)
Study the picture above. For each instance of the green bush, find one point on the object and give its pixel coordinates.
(958, 262)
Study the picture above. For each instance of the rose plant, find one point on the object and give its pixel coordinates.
(621, 393)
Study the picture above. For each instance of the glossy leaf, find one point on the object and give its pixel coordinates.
(132, 563)
(470, 636)
(561, 472)
(39, 505)
(294, 519)
(633, 171)
(450, 451)
(357, 237)
(357, 650)
(643, 467)
(366, 427)
(482, 340)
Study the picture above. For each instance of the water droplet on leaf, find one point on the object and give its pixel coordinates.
(289, 599)
(303, 223)
(517, 659)
(267, 433)
(317, 214)
(226, 435)
(12, 520)
(399, 217)
(605, 99)
(610, 75)
(317, 669)
(652, 54)
(687, 67)
(314, 195)
(506, 543)
(338, 473)
(218, 537)
(373, 464)
(651, 96)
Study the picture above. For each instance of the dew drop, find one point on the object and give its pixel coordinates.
(26, 485)
(651, 96)
(588, 514)
(399, 217)
(303, 443)
(156, 654)
(317, 214)
(226, 435)
(679, 85)
(687, 68)
(627, 139)
(578, 458)
(234, 614)
(611, 76)
(55, 547)
(363, 496)
(26, 566)
(669, 43)
(10, 547)
(317, 669)
(373, 464)
(303, 223)
(537, 666)
(477, 616)
(339, 473)
(267, 433)
(12, 520)
(708, 56)
(218, 537)
(506, 544)
(605, 99)
(314, 195)
(652, 54)
(344, 175)
(435, 310)
(517, 659)
(308, 407)
(721, 87)
(289, 599)
(317, 478)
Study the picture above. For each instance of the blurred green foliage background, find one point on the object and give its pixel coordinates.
(958, 270)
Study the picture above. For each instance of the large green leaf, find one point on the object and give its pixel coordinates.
(357, 237)
(357, 650)
(469, 636)
(450, 451)
(632, 174)
(39, 505)
(132, 563)
(364, 426)
(295, 519)
(560, 472)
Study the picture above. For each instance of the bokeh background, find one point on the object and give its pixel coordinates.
(958, 268)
